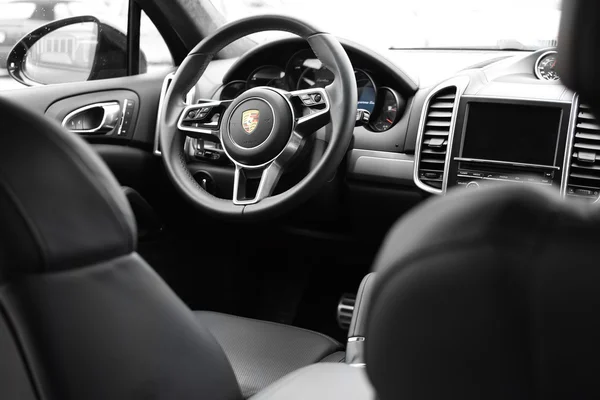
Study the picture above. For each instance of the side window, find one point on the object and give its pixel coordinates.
(153, 46)
(19, 18)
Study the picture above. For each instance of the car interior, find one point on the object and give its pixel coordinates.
(297, 218)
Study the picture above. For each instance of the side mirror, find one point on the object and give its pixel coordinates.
(70, 50)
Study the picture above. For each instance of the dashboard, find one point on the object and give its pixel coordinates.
(505, 120)
(379, 107)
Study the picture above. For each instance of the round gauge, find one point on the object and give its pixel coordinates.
(367, 91)
(315, 75)
(231, 90)
(545, 66)
(390, 107)
(295, 66)
(270, 75)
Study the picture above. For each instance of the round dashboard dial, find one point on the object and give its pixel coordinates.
(390, 107)
(315, 75)
(269, 75)
(545, 66)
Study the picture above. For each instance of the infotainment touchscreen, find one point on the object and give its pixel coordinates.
(515, 133)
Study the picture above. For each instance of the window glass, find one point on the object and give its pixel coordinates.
(17, 18)
(153, 46)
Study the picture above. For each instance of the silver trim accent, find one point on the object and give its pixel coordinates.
(477, 178)
(461, 84)
(109, 119)
(537, 65)
(189, 99)
(270, 133)
(516, 164)
(569, 146)
(524, 99)
(123, 110)
(356, 339)
(358, 365)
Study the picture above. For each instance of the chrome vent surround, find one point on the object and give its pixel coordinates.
(435, 137)
(583, 168)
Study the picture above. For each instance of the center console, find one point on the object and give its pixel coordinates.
(508, 141)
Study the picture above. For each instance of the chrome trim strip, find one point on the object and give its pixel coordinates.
(189, 99)
(476, 178)
(356, 339)
(515, 164)
(569, 146)
(103, 105)
(525, 99)
(461, 84)
(125, 102)
(537, 64)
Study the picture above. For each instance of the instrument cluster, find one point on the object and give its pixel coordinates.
(379, 107)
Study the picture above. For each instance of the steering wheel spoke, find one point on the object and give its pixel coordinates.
(203, 120)
(266, 177)
(313, 105)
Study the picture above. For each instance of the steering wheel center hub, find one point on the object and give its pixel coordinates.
(257, 126)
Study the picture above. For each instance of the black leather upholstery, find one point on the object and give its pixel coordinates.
(262, 352)
(578, 45)
(61, 207)
(81, 315)
(492, 294)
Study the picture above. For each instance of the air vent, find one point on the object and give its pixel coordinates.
(584, 168)
(435, 137)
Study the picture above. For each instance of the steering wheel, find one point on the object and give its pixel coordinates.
(264, 129)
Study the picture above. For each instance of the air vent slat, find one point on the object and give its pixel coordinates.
(585, 176)
(429, 160)
(442, 105)
(584, 170)
(436, 131)
(438, 124)
(587, 146)
(588, 136)
(440, 114)
(587, 125)
(586, 115)
(434, 151)
(592, 167)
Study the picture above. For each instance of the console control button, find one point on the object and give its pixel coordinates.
(472, 185)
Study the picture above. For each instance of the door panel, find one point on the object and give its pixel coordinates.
(145, 87)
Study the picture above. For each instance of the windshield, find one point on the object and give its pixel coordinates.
(17, 10)
(418, 24)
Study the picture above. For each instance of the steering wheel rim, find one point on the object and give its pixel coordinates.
(337, 106)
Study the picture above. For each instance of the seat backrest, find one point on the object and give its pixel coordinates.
(489, 294)
(81, 314)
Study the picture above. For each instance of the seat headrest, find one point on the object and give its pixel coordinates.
(492, 294)
(60, 206)
(579, 49)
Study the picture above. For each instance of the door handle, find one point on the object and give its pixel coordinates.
(98, 118)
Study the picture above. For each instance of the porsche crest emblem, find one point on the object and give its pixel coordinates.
(250, 120)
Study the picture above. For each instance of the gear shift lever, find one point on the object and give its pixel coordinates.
(356, 335)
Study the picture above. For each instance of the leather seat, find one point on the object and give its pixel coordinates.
(82, 316)
(262, 352)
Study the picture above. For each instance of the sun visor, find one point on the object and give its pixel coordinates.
(579, 49)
